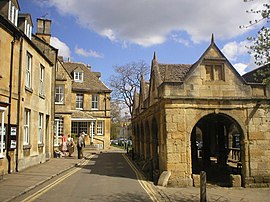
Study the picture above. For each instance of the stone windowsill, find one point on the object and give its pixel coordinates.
(40, 145)
(42, 96)
(27, 146)
(30, 90)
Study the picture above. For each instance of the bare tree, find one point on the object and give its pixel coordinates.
(115, 111)
(126, 80)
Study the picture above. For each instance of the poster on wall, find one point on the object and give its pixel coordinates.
(13, 144)
(13, 133)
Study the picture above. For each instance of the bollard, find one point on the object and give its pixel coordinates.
(203, 186)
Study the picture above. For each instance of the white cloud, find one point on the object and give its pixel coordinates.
(61, 46)
(241, 68)
(233, 50)
(150, 22)
(177, 38)
(87, 53)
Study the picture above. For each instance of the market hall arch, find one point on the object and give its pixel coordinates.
(138, 140)
(216, 148)
(147, 141)
(155, 149)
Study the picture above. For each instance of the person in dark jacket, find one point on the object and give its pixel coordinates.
(80, 146)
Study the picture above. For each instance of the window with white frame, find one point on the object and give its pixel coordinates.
(26, 127)
(12, 13)
(75, 128)
(92, 127)
(78, 76)
(28, 70)
(79, 127)
(83, 127)
(2, 131)
(79, 101)
(58, 129)
(40, 128)
(27, 29)
(99, 127)
(41, 80)
(95, 101)
(59, 94)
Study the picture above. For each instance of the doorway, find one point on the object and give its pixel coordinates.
(216, 148)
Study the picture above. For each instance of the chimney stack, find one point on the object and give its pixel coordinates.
(44, 29)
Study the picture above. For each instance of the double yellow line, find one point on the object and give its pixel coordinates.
(142, 181)
(56, 182)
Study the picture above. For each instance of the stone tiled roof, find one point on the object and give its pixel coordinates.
(146, 88)
(258, 75)
(91, 81)
(173, 72)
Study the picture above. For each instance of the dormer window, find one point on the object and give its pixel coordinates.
(27, 29)
(12, 13)
(78, 76)
(214, 72)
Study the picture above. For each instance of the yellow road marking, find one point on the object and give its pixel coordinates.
(145, 185)
(53, 184)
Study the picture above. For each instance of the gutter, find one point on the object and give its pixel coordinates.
(8, 135)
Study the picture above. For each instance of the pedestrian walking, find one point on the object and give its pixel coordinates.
(70, 145)
(80, 146)
(64, 145)
(83, 137)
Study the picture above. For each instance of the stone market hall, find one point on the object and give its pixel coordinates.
(204, 116)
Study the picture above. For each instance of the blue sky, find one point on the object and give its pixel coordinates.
(105, 33)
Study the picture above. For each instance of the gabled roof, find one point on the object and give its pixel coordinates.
(16, 31)
(90, 81)
(78, 69)
(181, 72)
(60, 62)
(17, 4)
(258, 75)
(26, 16)
(173, 72)
(222, 57)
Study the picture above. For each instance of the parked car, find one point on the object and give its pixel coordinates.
(114, 142)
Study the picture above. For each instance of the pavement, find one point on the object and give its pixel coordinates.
(16, 184)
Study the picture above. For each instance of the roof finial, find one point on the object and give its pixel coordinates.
(154, 58)
(212, 38)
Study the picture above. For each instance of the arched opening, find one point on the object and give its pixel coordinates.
(147, 133)
(155, 151)
(215, 148)
(138, 142)
(142, 142)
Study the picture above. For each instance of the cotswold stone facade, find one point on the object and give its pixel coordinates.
(26, 82)
(204, 116)
(82, 104)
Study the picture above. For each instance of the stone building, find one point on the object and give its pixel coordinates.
(82, 104)
(203, 116)
(26, 110)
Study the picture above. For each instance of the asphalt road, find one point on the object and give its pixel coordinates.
(104, 177)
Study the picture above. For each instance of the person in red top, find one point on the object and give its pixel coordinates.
(64, 144)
